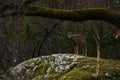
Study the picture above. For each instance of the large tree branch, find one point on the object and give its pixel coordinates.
(72, 15)
(75, 15)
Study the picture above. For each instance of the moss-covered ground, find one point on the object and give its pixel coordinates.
(109, 70)
(65, 67)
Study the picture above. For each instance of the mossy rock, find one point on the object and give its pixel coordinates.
(65, 67)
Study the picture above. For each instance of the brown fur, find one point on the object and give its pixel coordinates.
(79, 40)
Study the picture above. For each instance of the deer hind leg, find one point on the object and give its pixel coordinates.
(84, 51)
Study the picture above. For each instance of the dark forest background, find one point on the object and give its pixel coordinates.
(22, 37)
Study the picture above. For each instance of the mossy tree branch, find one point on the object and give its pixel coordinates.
(72, 15)
(75, 15)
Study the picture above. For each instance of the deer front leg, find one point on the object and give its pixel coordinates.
(76, 49)
(85, 52)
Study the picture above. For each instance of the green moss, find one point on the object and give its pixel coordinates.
(36, 72)
(87, 67)
(45, 67)
(33, 7)
(76, 74)
(43, 70)
(75, 15)
(37, 62)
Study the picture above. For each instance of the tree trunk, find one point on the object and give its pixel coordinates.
(98, 55)
(98, 59)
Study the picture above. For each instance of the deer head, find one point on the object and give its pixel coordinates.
(79, 40)
(70, 34)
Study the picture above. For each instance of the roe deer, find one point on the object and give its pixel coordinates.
(79, 40)
(117, 35)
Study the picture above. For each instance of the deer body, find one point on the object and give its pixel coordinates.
(79, 40)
